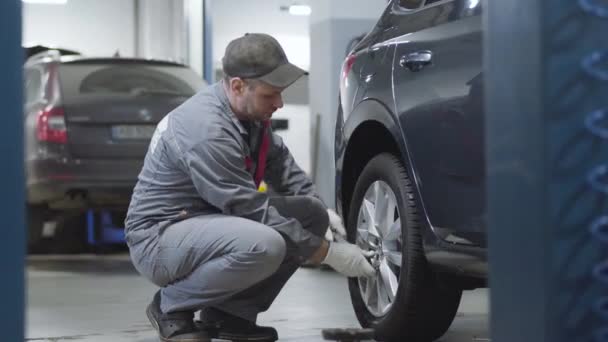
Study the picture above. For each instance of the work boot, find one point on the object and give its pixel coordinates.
(176, 326)
(222, 325)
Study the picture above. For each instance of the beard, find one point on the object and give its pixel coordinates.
(251, 112)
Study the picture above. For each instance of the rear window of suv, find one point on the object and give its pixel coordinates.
(107, 78)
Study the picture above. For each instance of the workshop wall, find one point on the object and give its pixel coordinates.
(159, 29)
(93, 27)
(162, 32)
(234, 18)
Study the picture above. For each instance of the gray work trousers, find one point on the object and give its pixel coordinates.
(227, 262)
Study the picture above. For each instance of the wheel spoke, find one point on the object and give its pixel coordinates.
(364, 288)
(394, 257)
(389, 280)
(368, 213)
(381, 202)
(382, 293)
(391, 208)
(363, 233)
(394, 231)
(365, 239)
(371, 293)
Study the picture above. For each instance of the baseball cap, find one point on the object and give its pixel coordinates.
(260, 56)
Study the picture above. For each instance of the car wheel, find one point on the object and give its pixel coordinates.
(404, 301)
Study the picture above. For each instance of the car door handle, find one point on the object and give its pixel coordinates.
(415, 61)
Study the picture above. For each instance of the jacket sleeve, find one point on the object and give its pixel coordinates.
(217, 169)
(284, 174)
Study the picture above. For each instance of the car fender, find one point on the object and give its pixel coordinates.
(374, 110)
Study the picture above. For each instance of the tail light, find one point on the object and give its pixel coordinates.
(346, 67)
(51, 126)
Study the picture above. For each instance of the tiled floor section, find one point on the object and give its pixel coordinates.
(102, 299)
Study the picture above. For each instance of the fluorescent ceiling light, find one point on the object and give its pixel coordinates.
(46, 2)
(300, 10)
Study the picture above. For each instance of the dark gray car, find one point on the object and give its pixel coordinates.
(88, 122)
(410, 178)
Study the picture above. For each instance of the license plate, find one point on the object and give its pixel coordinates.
(133, 132)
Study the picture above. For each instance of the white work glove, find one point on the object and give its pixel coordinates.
(349, 260)
(336, 225)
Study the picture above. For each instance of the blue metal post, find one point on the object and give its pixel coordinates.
(12, 242)
(546, 65)
(208, 43)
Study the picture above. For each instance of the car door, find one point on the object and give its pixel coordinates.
(437, 86)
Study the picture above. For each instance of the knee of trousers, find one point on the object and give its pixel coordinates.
(270, 251)
(320, 217)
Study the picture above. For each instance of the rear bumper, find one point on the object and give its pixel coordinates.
(102, 181)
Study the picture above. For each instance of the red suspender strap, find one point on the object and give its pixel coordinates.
(259, 172)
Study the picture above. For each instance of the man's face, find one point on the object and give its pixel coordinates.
(260, 100)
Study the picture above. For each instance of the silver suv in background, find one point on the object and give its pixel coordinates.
(88, 122)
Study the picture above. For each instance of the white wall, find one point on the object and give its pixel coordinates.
(93, 27)
(297, 137)
(233, 18)
(346, 9)
(162, 30)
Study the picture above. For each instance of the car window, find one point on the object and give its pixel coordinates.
(410, 4)
(133, 79)
(33, 85)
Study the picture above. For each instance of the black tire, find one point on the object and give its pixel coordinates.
(69, 236)
(36, 215)
(422, 310)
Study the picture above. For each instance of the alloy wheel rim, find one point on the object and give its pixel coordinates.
(379, 230)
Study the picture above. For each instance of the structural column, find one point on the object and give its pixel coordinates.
(12, 241)
(547, 149)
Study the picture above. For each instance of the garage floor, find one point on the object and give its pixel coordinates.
(101, 298)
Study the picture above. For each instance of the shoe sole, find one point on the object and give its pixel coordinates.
(233, 338)
(157, 328)
(216, 334)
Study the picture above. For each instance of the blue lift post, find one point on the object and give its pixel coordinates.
(12, 243)
(547, 152)
(208, 72)
(102, 229)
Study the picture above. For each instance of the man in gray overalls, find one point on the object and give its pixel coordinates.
(197, 225)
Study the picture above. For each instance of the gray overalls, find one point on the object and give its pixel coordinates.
(198, 227)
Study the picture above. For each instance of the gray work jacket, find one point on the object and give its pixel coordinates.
(195, 165)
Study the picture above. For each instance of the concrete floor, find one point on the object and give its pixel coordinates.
(101, 298)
